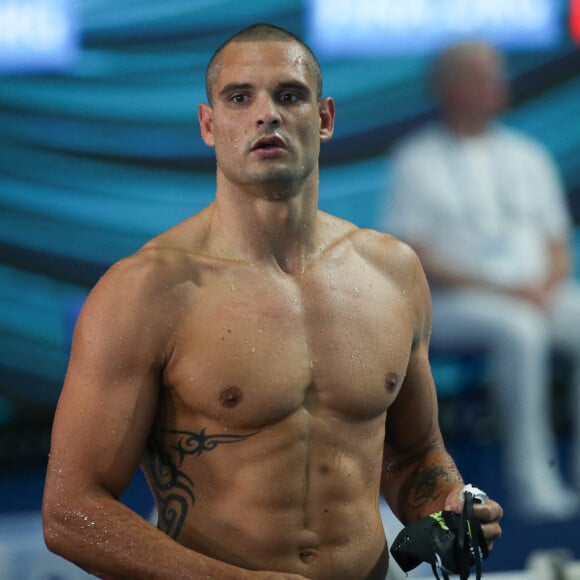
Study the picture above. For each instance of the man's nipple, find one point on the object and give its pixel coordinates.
(391, 382)
(230, 397)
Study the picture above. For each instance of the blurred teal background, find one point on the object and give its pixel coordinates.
(99, 156)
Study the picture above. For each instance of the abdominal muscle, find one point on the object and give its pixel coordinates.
(300, 496)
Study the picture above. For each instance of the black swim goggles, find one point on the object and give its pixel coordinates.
(452, 543)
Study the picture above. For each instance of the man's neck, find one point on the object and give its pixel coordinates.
(281, 232)
(467, 126)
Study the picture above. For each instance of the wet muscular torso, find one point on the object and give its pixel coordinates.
(267, 447)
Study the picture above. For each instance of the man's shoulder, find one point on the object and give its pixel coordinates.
(169, 254)
(395, 260)
(384, 250)
(365, 241)
(151, 271)
(519, 142)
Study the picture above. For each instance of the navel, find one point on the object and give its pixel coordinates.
(391, 381)
(230, 397)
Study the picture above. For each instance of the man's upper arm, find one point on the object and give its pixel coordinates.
(412, 418)
(416, 467)
(412, 424)
(111, 389)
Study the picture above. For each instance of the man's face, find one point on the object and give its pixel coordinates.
(266, 123)
(481, 87)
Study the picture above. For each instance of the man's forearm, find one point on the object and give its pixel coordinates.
(110, 541)
(422, 487)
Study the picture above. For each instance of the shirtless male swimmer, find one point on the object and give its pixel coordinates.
(265, 363)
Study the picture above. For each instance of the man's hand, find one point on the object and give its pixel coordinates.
(489, 514)
(540, 296)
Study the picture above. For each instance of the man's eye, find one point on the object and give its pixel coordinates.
(289, 97)
(238, 98)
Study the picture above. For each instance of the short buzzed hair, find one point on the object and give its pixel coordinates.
(259, 33)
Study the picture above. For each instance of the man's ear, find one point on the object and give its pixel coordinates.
(327, 111)
(205, 116)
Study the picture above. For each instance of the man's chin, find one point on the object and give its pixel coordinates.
(278, 191)
(278, 184)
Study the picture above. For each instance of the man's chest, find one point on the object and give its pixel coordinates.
(259, 349)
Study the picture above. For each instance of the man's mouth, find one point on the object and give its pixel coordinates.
(269, 143)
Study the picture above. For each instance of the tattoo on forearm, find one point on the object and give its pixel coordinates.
(427, 473)
(424, 487)
(172, 487)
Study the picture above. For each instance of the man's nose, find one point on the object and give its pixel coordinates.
(268, 113)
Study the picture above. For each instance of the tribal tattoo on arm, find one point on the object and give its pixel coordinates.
(426, 482)
(423, 487)
(172, 487)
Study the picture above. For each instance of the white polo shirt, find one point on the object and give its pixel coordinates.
(487, 204)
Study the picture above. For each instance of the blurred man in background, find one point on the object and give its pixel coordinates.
(484, 209)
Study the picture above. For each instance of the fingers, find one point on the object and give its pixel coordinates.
(489, 514)
(490, 511)
(491, 533)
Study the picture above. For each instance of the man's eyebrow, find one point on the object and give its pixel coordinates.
(284, 85)
(303, 87)
(233, 87)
